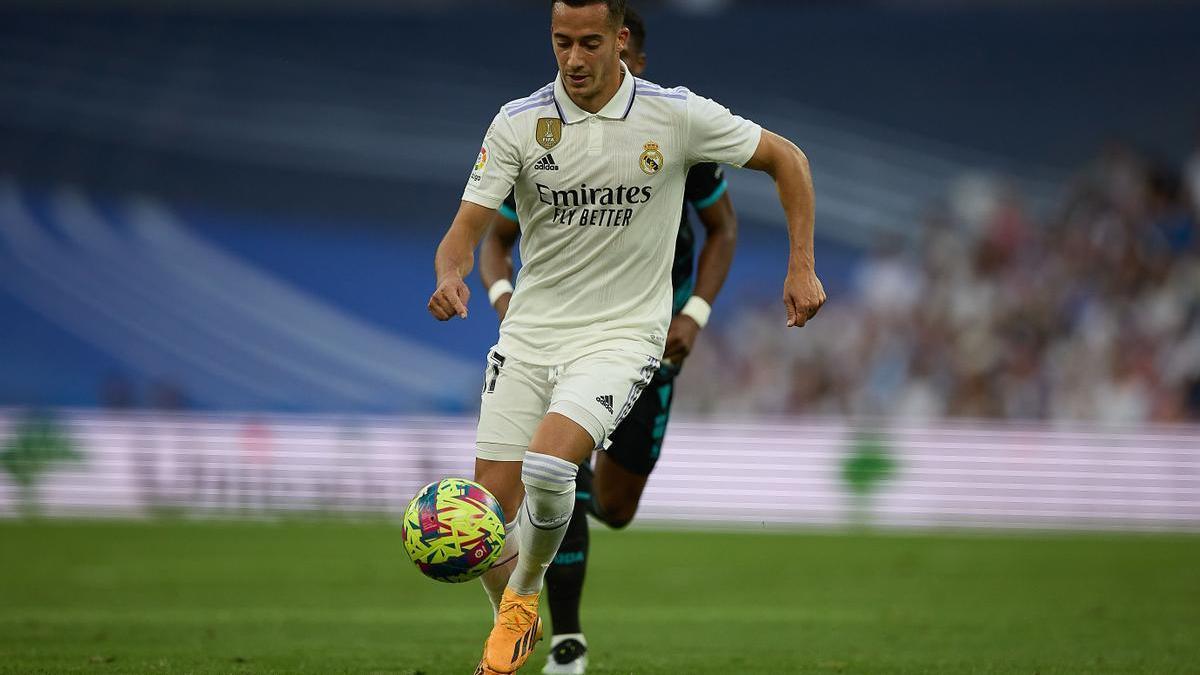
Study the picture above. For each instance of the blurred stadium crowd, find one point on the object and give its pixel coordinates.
(1088, 312)
(236, 211)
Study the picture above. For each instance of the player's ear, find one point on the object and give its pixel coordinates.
(622, 38)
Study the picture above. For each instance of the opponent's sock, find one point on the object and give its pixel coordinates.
(564, 577)
(495, 579)
(549, 502)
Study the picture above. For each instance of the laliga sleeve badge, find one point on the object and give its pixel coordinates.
(651, 160)
(548, 132)
(480, 164)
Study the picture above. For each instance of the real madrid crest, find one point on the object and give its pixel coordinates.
(548, 132)
(651, 160)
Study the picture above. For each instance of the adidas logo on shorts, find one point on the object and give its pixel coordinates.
(546, 163)
(606, 401)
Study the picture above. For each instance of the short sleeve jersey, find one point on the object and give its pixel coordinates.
(705, 185)
(598, 197)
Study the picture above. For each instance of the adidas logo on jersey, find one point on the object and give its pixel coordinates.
(546, 163)
(606, 401)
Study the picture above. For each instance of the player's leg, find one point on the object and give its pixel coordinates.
(565, 576)
(617, 491)
(514, 398)
(503, 480)
(634, 448)
(564, 590)
(548, 473)
(616, 483)
(549, 470)
(590, 398)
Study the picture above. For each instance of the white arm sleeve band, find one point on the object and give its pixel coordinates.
(498, 289)
(697, 308)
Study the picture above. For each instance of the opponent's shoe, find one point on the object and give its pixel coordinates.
(518, 628)
(568, 655)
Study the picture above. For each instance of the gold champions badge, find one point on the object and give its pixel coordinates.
(651, 160)
(548, 132)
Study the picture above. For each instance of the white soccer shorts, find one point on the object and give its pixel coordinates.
(595, 391)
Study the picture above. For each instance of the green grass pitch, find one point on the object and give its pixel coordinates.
(178, 597)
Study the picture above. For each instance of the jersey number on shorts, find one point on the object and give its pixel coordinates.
(495, 363)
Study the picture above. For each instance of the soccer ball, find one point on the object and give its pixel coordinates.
(453, 530)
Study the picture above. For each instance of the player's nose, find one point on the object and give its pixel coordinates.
(574, 58)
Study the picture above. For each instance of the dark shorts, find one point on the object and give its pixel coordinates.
(637, 441)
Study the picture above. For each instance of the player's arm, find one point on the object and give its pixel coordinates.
(496, 170)
(803, 293)
(717, 135)
(455, 258)
(716, 257)
(495, 259)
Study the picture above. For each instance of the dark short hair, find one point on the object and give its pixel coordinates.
(616, 8)
(637, 27)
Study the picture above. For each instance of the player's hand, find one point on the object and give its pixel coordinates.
(803, 296)
(450, 299)
(502, 305)
(680, 338)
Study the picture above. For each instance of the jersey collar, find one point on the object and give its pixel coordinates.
(617, 108)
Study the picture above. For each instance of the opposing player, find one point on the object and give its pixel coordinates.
(587, 324)
(613, 492)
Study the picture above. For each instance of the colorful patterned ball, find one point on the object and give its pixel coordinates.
(453, 530)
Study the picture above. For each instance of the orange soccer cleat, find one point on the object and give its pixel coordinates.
(518, 628)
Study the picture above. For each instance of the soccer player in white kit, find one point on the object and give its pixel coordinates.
(597, 159)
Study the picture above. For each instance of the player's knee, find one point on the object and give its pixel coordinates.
(503, 480)
(545, 473)
(617, 523)
(620, 517)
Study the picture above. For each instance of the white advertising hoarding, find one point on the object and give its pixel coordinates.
(766, 473)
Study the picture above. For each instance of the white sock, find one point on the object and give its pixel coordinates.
(546, 511)
(495, 579)
(554, 640)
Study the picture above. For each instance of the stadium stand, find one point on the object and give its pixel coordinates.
(244, 205)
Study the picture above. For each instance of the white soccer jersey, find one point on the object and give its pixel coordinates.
(598, 198)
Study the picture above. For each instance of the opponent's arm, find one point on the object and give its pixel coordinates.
(455, 258)
(803, 293)
(495, 258)
(716, 257)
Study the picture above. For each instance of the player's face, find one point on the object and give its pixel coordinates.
(634, 57)
(587, 47)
